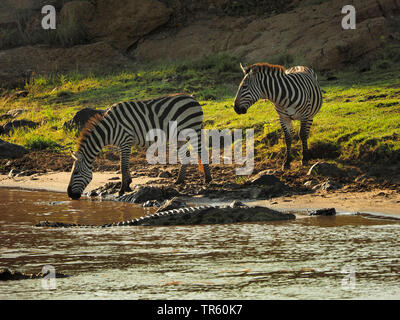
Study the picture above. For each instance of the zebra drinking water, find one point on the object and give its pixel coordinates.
(127, 123)
(294, 92)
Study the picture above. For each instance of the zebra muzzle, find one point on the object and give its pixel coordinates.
(240, 110)
(73, 195)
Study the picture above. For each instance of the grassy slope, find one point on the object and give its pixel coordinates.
(359, 120)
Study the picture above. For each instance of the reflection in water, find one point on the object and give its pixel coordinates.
(299, 259)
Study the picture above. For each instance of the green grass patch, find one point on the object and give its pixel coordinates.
(359, 120)
(38, 142)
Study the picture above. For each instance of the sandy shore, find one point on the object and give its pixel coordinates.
(58, 181)
(377, 201)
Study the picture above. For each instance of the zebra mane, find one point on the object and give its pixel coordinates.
(88, 128)
(263, 66)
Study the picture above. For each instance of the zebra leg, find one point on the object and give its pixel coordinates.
(126, 176)
(207, 173)
(286, 125)
(305, 126)
(205, 169)
(181, 175)
(182, 169)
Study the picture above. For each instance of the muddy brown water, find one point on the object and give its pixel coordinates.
(342, 257)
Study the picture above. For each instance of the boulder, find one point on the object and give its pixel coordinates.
(165, 174)
(237, 204)
(11, 150)
(326, 169)
(254, 193)
(81, 11)
(18, 124)
(29, 4)
(315, 34)
(124, 22)
(327, 186)
(265, 178)
(265, 184)
(80, 118)
(323, 212)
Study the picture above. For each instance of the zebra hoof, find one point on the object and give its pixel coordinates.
(122, 192)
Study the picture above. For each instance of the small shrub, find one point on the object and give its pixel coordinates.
(258, 7)
(71, 32)
(28, 31)
(37, 143)
(324, 150)
(222, 62)
(383, 65)
(226, 63)
(63, 94)
(285, 59)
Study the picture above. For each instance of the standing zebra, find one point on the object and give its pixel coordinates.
(127, 123)
(294, 92)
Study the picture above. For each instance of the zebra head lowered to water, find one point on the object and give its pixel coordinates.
(80, 177)
(295, 93)
(127, 123)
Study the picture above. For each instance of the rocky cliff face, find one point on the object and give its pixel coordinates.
(312, 34)
(97, 33)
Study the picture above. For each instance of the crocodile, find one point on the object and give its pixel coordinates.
(192, 216)
(7, 274)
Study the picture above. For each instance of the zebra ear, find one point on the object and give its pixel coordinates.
(243, 69)
(73, 155)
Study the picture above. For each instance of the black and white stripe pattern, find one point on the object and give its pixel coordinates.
(294, 92)
(126, 124)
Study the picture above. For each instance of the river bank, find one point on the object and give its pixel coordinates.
(378, 200)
